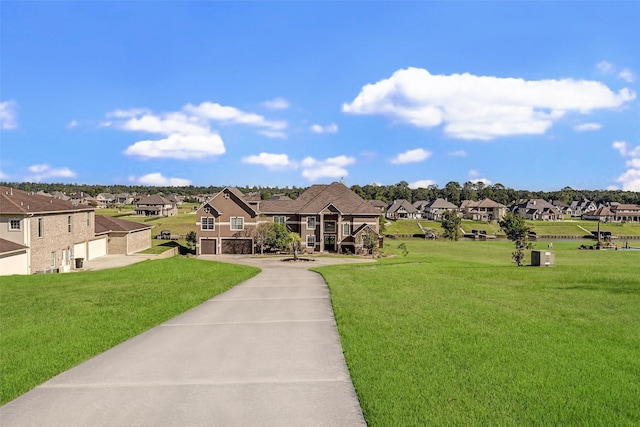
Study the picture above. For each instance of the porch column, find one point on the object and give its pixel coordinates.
(321, 232)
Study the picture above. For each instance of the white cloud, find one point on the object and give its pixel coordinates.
(157, 179)
(43, 171)
(333, 167)
(411, 156)
(627, 75)
(269, 160)
(605, 67)
(231, 115)
(587, 127)
(277, 104)
(424, 183)
(331, 128)
(8, 115)
(187, 133)
(473, 173)
(457, 153)
(485, 181)
(630, 180)
(72, 124)
(481, 107)
(179, 146)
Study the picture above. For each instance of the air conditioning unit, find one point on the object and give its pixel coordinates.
(543, 259)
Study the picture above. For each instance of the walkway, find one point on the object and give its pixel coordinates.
(265, 353)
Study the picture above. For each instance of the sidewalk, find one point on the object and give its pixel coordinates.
(265, 353)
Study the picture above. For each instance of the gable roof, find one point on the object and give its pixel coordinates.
(441, 204)
(13, 201)
(154, 199)
(401, 203)
(317, 197)
(106, 224)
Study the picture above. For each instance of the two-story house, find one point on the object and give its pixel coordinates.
(156, 205)
(485, 210)
(328, 218)
(40, 233)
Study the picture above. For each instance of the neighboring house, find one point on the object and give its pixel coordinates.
(156, 205)
(435, 209)
(485, 210)
(81, 198)
(105, 199)
(45, 233)
(401, 209)
(603, 213)
(537, 209)
(328, 218)
(379, 205)
(582, 207)
(123, 237)
(618, 212)
(564, 208)
(123, 199)
(420, 207)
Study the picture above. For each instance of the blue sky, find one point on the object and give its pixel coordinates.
(532, 95)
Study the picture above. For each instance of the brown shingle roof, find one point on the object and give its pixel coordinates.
(106, 224)
(13, 201)
(7, 246)
(317, 197)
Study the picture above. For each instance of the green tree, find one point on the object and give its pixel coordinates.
(264, 233)
(279, 238)
(451, 224)
(192, 238)
(294, 240)
(517, 231)
(370, 242)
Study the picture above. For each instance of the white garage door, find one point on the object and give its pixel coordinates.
(97, 248)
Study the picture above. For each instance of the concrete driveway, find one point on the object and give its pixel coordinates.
(265, 353)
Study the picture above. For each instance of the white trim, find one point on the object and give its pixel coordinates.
(313, 218)
(314, 241)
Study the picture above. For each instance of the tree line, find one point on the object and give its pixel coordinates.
(453, 191)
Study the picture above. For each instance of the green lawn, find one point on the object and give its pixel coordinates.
(55, 321)
(454, 334)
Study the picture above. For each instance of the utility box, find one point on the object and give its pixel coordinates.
(543, 259)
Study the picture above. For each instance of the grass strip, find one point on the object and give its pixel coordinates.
(50, 323)
(453, 334)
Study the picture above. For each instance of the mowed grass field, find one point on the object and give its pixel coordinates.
(51, 322)
(455, 334)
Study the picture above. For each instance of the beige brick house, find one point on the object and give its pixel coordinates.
(51, 232)
(328, 218)
(123, 237)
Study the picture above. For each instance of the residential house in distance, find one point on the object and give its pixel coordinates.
(379, 205)
(485, 210)
(104, 200)
(41, 233)
(401, 209)
(435, 209)
(582, 207)
(123, 199)
(615, 213)
(156, 205)
(328, 218)
(420, 207)
(537, 209)
(123, 237)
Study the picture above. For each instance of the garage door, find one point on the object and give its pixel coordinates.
(208, 246)
(237, 246)
(97, 248)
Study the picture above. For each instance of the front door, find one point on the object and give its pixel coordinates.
(330, 243)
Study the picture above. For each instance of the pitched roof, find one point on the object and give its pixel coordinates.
(155, 199)
(106, 224)
(13, 201)
(401, 203)
(317, 197)
(441, 204)
(7, 246)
